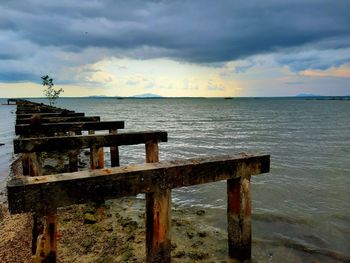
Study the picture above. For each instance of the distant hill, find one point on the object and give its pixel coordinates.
(307, 95)
(147, 95)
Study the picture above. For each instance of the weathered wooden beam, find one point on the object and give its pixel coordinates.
(59, 119)
(239, 223)
(48, 144)
(96, 155)
(51, 128)
(158, 218)
(45, 193)
(114, 150)
(50, 114)
(46, 241)
(41, 110)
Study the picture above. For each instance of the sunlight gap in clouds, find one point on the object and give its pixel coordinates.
(166, 78)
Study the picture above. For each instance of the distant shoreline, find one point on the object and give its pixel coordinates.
(223, 98)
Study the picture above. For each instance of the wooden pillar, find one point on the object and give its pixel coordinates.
(44, 243)
(96, 156)
(73, 157)
(46, 249)
(114, 151)
(25, 163)
(31, 165)
(239, 218)
(158, 219)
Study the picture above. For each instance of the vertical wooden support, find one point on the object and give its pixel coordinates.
(25, 163)
(60, 156)
(46, 249)
(73, 157)
(239, 218)
(158, 218)
(114, 151)
(31, 164)
(96, 156)
(44, 245)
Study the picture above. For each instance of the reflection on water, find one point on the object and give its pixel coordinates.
(301, 207)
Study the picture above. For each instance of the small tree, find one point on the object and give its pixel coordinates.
(50, 92)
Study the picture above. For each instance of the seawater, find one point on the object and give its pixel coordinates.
(300, 209)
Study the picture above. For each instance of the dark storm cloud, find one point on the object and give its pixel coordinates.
(192, 31)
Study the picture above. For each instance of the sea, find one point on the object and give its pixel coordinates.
(301, 208)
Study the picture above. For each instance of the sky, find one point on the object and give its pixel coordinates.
(175, 48)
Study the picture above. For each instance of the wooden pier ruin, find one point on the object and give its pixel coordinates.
(46, 129)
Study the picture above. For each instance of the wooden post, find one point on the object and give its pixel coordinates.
(46, 249)
(239, 218)
(158, 218)
(96, 156)
(25, 163)
(31, 164)
(73, 157)
(114, 151)
(60, 156)
(44, 245)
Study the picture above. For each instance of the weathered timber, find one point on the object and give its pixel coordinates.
(46, 246)
(48, 144)
(158, 218)
(36, 105)
(50, 114)
(114, 150)
(52, 128)
(239, 222)
(46, 193)
(60, 119)
(41, 110)
(96, 155)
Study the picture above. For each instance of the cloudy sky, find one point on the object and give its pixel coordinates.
(176, 48)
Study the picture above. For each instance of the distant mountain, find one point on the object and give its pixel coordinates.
(98, 96)
(147, 95)
(307, 95)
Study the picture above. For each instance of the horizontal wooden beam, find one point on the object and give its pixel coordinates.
(51, 114)
(60, 119)
(42, 110)
(51, 128)
(63, 143)
(37, 107)
(44, 194)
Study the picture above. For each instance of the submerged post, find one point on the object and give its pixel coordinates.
(239, 218)
(158, 219)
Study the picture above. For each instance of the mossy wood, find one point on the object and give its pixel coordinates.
(52, 128)
(63, 143)
(59, 119)
(46, 193)
(51, 114)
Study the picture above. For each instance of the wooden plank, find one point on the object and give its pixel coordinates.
(50, 114)
(64, 143)
(51, 128)
(59, 119)
(46, 193)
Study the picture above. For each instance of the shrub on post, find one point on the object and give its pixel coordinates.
(50, 92)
